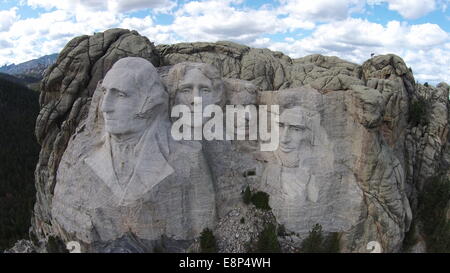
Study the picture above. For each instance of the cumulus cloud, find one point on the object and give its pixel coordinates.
(49, 32)
(7, 18)
(118, 6)
(218, 20)
(411, 9)
(5, 44)
(320, 10)
(25, 39)
(131, 5)
(331, 30)
(346, 36)
(69, 4)
(422, 46)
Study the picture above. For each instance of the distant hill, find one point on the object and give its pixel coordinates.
(29, 73)
(19, 154)
(11, 78)
(34, 67)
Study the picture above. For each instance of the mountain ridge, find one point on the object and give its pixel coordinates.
(35, 67)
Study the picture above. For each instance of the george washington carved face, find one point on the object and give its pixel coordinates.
(132, 92)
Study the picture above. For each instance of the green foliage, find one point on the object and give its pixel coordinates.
(207, 241)
(418, 112)
(313, 243)
(157, 249)
(410, 238)
(56, 245)
(261, 200)
(282, 230)
(433, 202)
(19, 153)
(268, 241)
(317, 243)
(247, 196)
(331, 243)
(426, 84)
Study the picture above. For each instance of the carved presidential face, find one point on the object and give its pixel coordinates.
(293, 130)
(122, 102)
(245, 95)
(195, 84)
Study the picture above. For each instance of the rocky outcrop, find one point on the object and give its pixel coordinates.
(430, 134)
(22, 246)
(238, 231)
(374, 156)
(266, 69)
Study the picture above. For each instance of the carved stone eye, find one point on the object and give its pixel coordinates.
(185, 90)
(206, 90)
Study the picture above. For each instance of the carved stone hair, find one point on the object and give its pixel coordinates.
(146, 78)
(177, 72)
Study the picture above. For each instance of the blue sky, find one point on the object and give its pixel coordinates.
(416, 30)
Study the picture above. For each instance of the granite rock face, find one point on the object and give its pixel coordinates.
(344, 176)
(359, 163)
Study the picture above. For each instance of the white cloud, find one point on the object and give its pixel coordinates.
(426, 35)
(422, 46)
(131, 5)
(218, 20)
(320, 10)
(25, 39)
(425, 47)
(69, 4)
(116, 6)
(49, 32)
(410, 9)
(7, 18)
(137, 23)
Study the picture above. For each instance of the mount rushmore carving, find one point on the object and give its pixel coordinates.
(123, 173)
(112, 177)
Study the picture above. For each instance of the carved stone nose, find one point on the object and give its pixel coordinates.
(106, 107)
(284, 136)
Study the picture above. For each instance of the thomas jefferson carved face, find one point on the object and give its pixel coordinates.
(195, 84)
(132, 91)
(189, 80)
